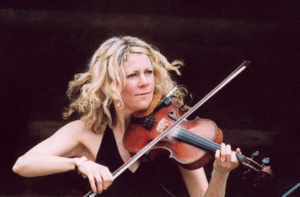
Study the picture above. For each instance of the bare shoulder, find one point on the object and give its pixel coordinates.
(88, 140)
(74, 126)
(77, 128)
(70, 131)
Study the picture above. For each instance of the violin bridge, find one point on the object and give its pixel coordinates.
(162, 125)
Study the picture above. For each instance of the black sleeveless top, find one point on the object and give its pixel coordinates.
(154, 178)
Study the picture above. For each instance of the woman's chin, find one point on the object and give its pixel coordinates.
(141, 111)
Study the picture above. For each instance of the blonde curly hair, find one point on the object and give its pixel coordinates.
(92, 93)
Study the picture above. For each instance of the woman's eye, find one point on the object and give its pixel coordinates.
(149, 71)
(131, 76)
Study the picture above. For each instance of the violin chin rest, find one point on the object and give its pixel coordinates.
(156, 99)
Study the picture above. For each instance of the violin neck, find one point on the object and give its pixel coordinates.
(198, 141)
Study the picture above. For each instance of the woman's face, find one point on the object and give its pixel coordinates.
(138, 91)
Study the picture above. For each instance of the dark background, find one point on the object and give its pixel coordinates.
(44, 43)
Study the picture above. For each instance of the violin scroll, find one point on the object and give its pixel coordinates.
(262, 169)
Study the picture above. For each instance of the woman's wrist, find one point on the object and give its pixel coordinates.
(219, 175)
(78, 162)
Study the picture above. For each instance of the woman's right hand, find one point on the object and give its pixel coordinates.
(99, 176)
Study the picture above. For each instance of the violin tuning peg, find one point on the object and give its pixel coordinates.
(254, 154)
(148, 122)
(265, 160)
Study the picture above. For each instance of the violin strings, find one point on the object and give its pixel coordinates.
(197, 140)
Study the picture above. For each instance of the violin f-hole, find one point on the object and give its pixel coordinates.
(173, 115)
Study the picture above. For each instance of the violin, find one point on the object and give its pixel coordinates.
(185, 144)
(190, 144)
(164, 129)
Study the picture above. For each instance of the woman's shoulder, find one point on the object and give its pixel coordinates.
(77, 125)
(88, 139)
(78, 129)
(73, 127)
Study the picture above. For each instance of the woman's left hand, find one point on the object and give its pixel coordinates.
(225, 159)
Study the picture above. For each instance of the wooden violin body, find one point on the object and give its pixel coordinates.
(191, 144)
(187, 155)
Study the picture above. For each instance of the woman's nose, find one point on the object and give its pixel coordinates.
(144, 80)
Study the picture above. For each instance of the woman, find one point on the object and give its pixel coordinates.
(124, 75)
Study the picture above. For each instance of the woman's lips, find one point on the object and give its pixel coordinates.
(143, 94)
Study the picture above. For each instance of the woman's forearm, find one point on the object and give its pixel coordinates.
(217, 185)
(38, 164)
